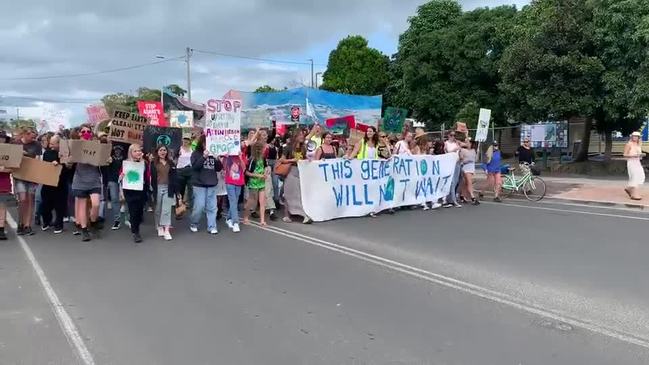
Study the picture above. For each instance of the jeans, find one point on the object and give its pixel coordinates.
(204, 200)
(163, 206)
(452, 196)
(275, 179)
(234, 191)
(113, 191)
(38, 201)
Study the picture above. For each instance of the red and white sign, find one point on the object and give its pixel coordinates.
(152, 110)
(96, 113)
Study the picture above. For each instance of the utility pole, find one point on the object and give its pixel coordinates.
(316, 78)
(188, 55)
(311, 60)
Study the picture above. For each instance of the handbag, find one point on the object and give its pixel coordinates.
(282, 169)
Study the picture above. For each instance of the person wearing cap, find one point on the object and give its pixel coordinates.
(633, 154)
(525, 152)
(492, 166)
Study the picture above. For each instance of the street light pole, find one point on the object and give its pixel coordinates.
(188, 55)
(311, 60)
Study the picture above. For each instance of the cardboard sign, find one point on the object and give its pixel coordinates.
(223, 127)
(38, 172)
(152, 110)
(88, 152)
(126, 127)
(170, 137)
(11, 155)
(96, 113)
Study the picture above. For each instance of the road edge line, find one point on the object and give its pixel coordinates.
(65, 321)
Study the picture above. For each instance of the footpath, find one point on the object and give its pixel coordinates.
(607, 192)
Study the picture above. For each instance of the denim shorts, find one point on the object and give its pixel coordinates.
(21, 187)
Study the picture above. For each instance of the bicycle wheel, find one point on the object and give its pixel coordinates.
(534, 189)
(508, 186)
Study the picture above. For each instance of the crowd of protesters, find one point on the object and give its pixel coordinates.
(190, 183)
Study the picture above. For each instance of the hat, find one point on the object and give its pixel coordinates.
(419, 132)
(102, 134)
(636, 134)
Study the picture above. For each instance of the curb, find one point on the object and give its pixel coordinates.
(603, 204)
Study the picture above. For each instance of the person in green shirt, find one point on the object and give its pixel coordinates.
(257, 173)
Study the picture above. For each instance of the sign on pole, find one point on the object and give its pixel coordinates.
(223, 127)
(483, 125)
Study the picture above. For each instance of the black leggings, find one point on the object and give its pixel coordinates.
(184, 177)
(55, 199)
(135, 201)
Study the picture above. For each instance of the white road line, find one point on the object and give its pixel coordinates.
(570, 211)
(65, 321)
(464, 286)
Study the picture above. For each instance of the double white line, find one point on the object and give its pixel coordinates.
(463, 286)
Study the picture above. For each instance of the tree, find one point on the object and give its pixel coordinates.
(119, 101)
(146, 94)
(355, 68)
(469, 114)
(551, 71)
(265, 89)
(621, 40)
(174, 88)
(448, 59)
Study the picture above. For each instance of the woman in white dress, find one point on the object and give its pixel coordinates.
(633, 154)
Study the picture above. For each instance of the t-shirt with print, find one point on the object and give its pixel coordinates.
(257, 167)
(33, 149)
(234, 173)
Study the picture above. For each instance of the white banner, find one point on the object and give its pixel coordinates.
(354, 188)
(483, 125)
(223, 127)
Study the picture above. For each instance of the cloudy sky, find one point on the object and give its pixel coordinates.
(51, 38)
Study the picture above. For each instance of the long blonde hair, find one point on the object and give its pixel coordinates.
(132, 148)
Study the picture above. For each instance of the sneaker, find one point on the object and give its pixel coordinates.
(475, 201)
(20, 231)
(448, 205)
(76, 230)
(161, 232)
(373, 215)
(498, 200)
(150, 210)
(272, 215)
(229, 223)
(307, 220)
(45, 228)
(214, 231)
(457, 205)
(193, 228)
(116, 225)
(58, 230)
(235, 228)
(28, 231)
(3, 234)
(167, 236)
(128, 224)
(85, 235)
(425, 207)
(66, 219)
(137, 238)
(436, 206)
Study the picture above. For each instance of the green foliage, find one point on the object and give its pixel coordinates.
(355, 68)
(469, 114)
(265, 89)
(448, 59)
(127, 102)
(174, 88)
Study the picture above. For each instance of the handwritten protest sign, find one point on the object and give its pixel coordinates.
(393, 119)
(181, 118)
(155, 136)
(133, 175)
(223, 127)
(89, 152)
(483, 125)
(355, 188)
(38, 172)
(96, 113)
(11, 155)
(126, 127)
(152, 110)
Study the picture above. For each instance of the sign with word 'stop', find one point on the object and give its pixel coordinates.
(11, 155)
(223, 127)
(126, 127)
(154, 111)
(356, 188)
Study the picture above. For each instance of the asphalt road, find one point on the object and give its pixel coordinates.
(495, 284)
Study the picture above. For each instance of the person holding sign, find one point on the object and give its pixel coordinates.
(54, 198)
(204, 181)
(86, 185)
(26, 190)
(234, 182)
(163, 177)
(257, 172)
(5, 195)
(134, 188)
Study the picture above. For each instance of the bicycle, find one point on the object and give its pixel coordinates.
(533, 187)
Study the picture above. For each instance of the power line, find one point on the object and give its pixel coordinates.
(91, 73)
(290, 62)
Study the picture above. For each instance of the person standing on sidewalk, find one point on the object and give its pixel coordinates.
(633, 154)
(492, 166)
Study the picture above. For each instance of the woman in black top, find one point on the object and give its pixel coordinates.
(54, 197)
(525, 153)
(326, 151)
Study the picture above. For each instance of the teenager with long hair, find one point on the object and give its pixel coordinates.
(204, 180)
(163, 183)
(136, 199)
